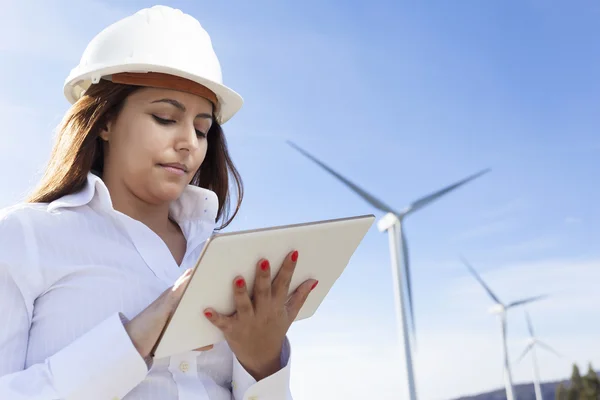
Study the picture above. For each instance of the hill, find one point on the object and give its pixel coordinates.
(523, 391)
(585, 387)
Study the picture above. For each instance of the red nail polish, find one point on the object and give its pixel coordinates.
(314, 285)
(208, 314)
(295, 256)
(264, 265)
(240, 283)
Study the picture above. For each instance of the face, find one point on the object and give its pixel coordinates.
(157, 143)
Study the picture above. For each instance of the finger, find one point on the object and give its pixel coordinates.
(297, 300)
(223, 322)
(262, 287)
(241, 298)
(281, 283)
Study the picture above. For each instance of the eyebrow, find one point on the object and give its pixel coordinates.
(181, 107)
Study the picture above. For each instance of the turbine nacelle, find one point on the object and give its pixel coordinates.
(387, 221)
(497, 309)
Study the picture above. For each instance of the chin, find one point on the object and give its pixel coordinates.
(168, 191)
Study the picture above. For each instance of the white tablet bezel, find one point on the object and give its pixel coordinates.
(322, 257)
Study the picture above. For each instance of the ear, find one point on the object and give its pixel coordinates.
(105, 131)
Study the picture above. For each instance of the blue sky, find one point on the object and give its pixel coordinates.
(402, 98)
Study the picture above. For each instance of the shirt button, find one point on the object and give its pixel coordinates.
(253, 398)
(184, 367)
(116, 398)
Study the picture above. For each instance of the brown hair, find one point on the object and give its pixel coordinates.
(78, 150)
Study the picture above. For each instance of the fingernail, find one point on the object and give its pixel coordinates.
(295, 256)
(264, 265)
(240, 283)
(314, 285)
(208, 314)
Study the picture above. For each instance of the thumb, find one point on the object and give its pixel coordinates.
(145, 328)
(183, 281)
(297, 299)
(205, 348)
(175, 292)
(169, 299)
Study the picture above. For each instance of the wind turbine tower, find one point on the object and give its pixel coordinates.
(533, 342)
(500, 309)
(392, 222)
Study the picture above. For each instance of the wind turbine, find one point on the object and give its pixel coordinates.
(533, 342)
(392, 223)
(500, 308)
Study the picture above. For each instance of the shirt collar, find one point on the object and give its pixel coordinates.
(194, 204)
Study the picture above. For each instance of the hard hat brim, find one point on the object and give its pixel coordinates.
(78, 81)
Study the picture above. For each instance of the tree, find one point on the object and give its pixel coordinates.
(591, 385)
(576, 386)
(580, 388)
(572, 393)
(576, 380)
(561, 392)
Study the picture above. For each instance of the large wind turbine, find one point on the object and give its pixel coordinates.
(392, 223)
(533, 342)
(500, 308)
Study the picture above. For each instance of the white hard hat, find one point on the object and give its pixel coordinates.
(160, 40)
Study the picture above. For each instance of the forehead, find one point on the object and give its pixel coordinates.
(191, 102)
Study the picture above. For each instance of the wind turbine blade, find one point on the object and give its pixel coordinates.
(525, 301)
(422, 202)
(524, 353)
(550, 349)
(405, 258)
(529, 325)
(369, 198)
(485, 286)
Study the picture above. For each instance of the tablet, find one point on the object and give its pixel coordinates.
(325, 249)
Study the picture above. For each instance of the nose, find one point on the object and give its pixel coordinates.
(187, 139)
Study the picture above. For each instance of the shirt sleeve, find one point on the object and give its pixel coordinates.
(101, 364)
(273, 387)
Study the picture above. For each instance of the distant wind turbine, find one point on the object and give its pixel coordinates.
(533, 342)
(392, 223)
(500, 308)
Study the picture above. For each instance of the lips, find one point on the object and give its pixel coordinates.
(179, 166)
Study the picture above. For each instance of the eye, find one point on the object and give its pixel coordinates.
(200, 134)
(163, 121)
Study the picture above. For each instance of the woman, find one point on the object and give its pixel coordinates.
(93, 264)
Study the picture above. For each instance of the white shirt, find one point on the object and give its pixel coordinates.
(69, 271)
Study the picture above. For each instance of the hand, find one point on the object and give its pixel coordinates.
(144, 330)
(256, 331)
